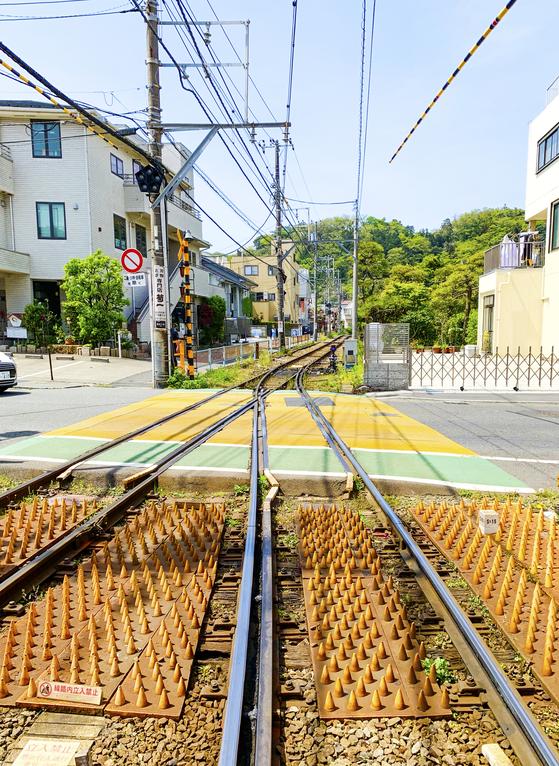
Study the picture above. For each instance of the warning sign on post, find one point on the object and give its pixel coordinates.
(132, 260)
(134, 280)
(159, 307)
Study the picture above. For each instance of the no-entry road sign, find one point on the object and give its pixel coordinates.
(132, 260)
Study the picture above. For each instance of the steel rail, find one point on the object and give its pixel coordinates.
(228, 755)
(538, 742)
(41, 566)
(29, 486)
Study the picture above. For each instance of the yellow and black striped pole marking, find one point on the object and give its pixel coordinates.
(184, 268)
(72, 114)
(455, 74)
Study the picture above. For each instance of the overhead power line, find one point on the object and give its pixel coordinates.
(82, 113)
(367, 107)
(455, 74)
(109, 12)
(290, 83)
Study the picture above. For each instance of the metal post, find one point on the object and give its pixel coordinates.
(280, 276)
(355, 278)
(160, 355)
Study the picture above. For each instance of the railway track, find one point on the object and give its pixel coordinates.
(367, 659)
(71, 538)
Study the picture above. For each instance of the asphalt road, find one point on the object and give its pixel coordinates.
(26, 412)
(501, 426)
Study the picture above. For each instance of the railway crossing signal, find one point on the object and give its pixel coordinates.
(149, 179)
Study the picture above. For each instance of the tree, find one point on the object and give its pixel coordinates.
(219, 308)
(94, 297)
(40, 322)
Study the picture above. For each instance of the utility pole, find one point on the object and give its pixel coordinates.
(160, 335)
(280, 276)
(315, 296)
(355, 279)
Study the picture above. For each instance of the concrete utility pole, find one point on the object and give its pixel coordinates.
(355, 279)
(280, 276)
(160, 335)
(315, 296)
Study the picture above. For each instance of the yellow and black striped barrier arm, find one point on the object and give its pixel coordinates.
(184, 269)
(455, 74)
(72, 114)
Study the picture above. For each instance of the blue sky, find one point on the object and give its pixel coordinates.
(469, 153)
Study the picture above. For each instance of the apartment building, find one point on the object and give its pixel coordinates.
(65, 193)
(519, 289)
(263, 271)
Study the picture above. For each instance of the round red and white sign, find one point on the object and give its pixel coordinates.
(132, 260)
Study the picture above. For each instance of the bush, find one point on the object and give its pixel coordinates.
(41, 324)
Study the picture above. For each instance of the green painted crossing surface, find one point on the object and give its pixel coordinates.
(459, 471)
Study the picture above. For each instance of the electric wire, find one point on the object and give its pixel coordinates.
(6, 17)
(371, 47)
(290, 84)
(361, 97)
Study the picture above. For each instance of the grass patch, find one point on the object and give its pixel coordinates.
(342, 380)
(7, 483)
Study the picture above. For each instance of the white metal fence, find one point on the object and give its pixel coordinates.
(223, 355)
(509, 370)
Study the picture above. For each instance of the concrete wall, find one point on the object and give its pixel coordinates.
(517, 317)
(550, 303)
(393, 376)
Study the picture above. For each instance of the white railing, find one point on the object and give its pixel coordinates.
(222, 355)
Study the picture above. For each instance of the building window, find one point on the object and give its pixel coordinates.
(213, 280)
(51, 220)
(45, 139)
(554, 244)
(141, 240)
(120, 232)
(251, 271)
(548, 148)
(136, 166)
(271, 296)
(117, 166)
(258, 296)
(272, 271)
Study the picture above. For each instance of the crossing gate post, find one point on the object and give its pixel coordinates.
(184, 269)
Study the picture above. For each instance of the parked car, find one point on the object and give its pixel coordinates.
(8, 372)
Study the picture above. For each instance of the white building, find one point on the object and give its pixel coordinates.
(519, 290)
(65, 193)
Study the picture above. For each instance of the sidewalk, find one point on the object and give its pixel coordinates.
(81, 371)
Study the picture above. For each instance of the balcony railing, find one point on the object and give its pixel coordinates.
(553, 90)
(515, 255)
(129, 179)
(5, 152)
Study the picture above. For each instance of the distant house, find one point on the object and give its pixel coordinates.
(234, 289)
(263, 271)
(519, 289)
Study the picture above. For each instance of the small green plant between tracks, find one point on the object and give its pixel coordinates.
(442, 669)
